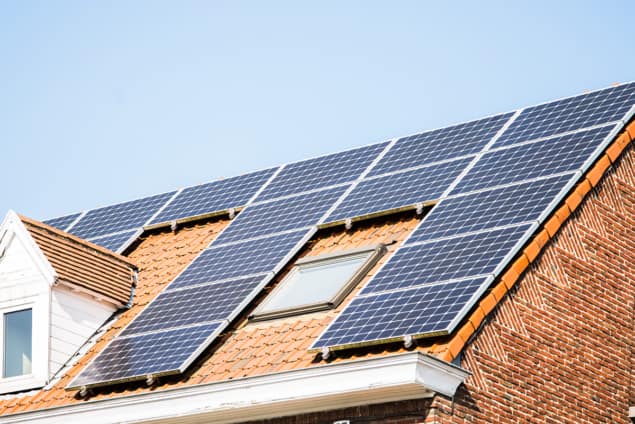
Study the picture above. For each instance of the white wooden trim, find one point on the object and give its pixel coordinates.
(12, 225)
(404, 376)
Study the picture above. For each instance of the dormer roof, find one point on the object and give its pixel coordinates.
(83, 265)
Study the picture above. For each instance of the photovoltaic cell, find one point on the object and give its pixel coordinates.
(446, 143)
(446, 259)
(136, 357)
(321, 172)
(120, 217)
(398, 190)
(240, 259)
(280, 215)
(416, 311)
(215, 301)
(62, 222)
(114, 241)
(570, 114)
(534, 160)
(214, 196)
(488, 209)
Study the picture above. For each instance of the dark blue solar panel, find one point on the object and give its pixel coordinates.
(114, 242)
(417, 311)
(488, 209)
(215, 301)
(322, 172)
(446, 259)
(62, 222)
(240, 259)
(437, 145)
(570, 114)
(215, 196)
(398, 190)
(281, 215)
(120, 217)
(534, 160)
(136, 357)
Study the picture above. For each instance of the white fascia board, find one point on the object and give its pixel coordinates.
(404, 376)
(13, 226)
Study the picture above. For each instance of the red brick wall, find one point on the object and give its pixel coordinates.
(406, 412)
(559, 348)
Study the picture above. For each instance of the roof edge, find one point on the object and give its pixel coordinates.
(337, 385)
(532, 251)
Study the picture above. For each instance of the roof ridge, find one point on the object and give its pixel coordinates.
(77, 240)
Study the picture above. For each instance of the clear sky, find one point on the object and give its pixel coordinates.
(102, 102)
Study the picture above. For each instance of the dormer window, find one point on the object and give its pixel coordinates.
(318, 283)
(17, 343)
(55, 292)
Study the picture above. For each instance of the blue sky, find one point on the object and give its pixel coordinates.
(102, 102)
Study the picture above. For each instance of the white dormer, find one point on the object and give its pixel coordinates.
(55, 291)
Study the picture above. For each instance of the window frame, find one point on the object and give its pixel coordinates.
(4, 310)
(39, 346)
(3, 347)
(375, 252)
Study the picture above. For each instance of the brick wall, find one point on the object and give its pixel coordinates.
(559, 348)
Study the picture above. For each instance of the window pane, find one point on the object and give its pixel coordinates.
(17, 343)
(315, 283)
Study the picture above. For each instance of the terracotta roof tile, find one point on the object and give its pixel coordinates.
(82, 263)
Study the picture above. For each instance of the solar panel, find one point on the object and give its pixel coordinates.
(214, 196)
(437, 145)
(446, 259)
(394, 191)
(245, 258)
(114, 242)
(321, 172)
(120, 217)
(280, 215)
(561, 154)
(175, 308)
(608, 105)
(417, 311)
(135, 357)
(62, 222)
(488, 209)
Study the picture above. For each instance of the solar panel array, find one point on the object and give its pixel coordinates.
(228, 274)
(493, 179)
(482, 220)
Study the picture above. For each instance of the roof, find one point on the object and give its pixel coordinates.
(248, 349)
(84, 264)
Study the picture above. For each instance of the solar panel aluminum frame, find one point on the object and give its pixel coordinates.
(229, 212)
(195, 354)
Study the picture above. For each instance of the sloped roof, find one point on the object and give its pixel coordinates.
(278, 345)
(84, 264)
(251, 349)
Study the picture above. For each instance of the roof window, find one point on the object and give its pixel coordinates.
(318, 283)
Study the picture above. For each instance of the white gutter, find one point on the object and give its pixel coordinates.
(404, 376)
